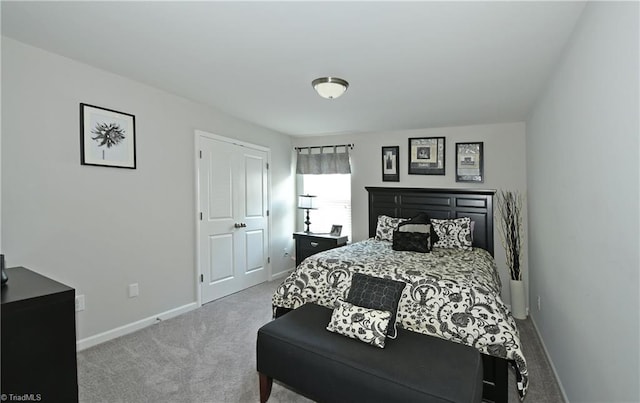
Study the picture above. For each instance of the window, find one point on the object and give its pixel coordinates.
(334, 202)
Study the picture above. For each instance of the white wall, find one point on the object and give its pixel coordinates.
(582, 153)
(99, 229)
(504, 168)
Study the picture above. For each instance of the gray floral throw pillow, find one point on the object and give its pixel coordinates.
(385, 227)
(364, 324)
(454, 233)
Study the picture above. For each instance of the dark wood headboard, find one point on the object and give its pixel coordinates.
(438, 203)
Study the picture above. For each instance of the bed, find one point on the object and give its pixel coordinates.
(452, 294)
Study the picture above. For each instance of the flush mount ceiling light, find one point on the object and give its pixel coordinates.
(330, 87)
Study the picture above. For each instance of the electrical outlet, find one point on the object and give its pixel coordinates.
(134, 291)
(286, 252)
(79, 303)
(538, 303)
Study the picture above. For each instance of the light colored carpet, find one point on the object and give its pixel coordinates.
(208, 355)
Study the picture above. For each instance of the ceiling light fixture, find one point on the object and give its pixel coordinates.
(330, 87)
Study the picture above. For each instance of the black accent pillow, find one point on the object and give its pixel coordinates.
(411, 241)
(423, 218)
(377, 293)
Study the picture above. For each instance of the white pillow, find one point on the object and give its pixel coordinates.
(385, 227)
(364, 324)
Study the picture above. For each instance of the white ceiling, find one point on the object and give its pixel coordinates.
(410, 65)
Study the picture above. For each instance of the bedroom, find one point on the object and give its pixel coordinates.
(144, 232)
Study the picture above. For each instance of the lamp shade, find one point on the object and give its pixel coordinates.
(330, 87)
(307, 202)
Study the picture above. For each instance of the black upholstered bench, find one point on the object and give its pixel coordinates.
(296, 349)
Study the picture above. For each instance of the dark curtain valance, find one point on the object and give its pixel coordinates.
(330, 160)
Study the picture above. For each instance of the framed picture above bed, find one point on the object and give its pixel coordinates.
(426, 156)
(469, 162)
(390, 159)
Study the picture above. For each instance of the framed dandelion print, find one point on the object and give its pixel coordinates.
(469, 162)
(107, 137)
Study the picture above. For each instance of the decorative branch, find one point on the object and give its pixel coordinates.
(509, 218)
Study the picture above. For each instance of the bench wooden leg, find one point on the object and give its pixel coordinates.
(265, 387)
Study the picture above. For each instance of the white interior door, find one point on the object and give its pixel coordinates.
(233, 230)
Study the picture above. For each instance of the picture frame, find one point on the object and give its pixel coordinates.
(427, 156)
(390, 163)
(107, 137)
(470, 162)
(336, 230)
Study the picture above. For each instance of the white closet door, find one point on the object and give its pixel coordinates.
(233, 231)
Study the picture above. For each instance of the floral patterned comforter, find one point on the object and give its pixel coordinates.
(452, 294)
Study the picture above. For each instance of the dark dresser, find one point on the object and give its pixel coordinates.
(38, 339)
(308, 243)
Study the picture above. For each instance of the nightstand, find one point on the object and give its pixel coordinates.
(308, 243)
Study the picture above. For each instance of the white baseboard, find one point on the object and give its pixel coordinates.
(281, 274)
(553, 368)
(132, 327)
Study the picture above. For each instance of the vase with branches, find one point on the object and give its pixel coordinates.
(509, 217)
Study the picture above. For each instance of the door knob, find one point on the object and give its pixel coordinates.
(237, 225)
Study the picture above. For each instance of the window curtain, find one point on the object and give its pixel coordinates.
(323, 163)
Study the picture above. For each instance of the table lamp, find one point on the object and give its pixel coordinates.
(307, 202)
